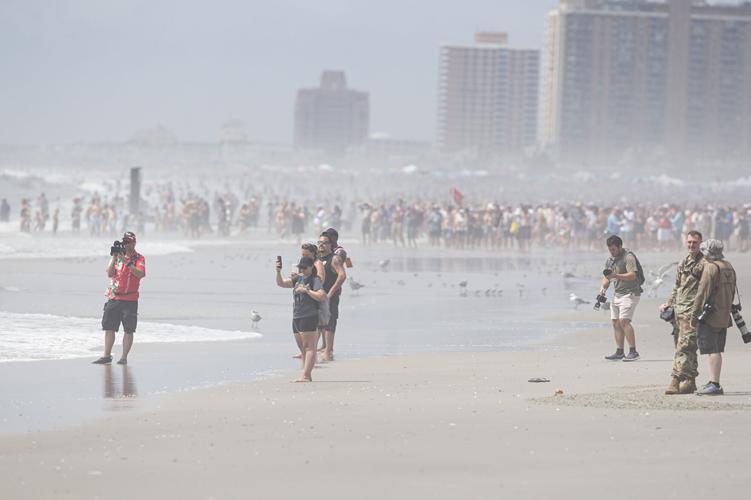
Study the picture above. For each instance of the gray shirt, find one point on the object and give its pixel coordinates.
(625, 263)
(305, 305)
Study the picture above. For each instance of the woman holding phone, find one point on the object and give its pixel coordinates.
(308, 293)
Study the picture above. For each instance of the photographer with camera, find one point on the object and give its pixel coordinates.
(125, 269)
(712, 309)
(625, 272)
(678, 310)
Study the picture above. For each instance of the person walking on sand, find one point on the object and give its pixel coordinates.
(126, 270)
(687, 277)
(624, 270)
(308, 293)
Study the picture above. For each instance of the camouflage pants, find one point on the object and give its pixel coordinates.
(685, 363)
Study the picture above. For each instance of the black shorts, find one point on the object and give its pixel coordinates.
(711, 340)
(120, 311)
(334, 311)
(309, 324)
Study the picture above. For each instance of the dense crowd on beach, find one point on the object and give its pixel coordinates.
(454, 223)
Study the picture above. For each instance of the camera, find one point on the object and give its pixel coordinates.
(599, 300)
(117, 248)
(706, 311)
(735, 310)
(668, 314)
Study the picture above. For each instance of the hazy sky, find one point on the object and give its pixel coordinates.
(88, 70)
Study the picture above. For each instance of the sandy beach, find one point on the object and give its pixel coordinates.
(388, 418)
(453, 425)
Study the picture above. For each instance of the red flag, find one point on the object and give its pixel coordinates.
(457, 195)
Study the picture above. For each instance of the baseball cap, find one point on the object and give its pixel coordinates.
(129, 237)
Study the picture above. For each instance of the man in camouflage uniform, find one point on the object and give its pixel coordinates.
(687, 280)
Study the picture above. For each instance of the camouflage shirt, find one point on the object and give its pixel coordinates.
(687, 279)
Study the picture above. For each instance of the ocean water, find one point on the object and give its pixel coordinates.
(36, 337)
(20, 246)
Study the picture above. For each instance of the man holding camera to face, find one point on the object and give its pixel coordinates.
(687, 278)
(125, 269)
(624, 271)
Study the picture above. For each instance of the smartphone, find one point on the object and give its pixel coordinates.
(279, 261)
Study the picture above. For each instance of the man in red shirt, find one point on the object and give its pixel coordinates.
(126, 269)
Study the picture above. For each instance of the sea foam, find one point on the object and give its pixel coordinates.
(34, 337)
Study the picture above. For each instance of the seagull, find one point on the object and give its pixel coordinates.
(463, 284)
(384, 264)
(658, 278)
(254, 318)
(576, 300)
(355, 285)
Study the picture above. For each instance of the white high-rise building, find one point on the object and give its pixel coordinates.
(487, 96)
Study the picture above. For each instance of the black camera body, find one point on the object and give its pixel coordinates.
(735, 311)
(599, 300)
(705, 312)
(668, 314)
(117, 248)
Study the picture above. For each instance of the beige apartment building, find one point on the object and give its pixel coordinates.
(487, 96)
(647, 76)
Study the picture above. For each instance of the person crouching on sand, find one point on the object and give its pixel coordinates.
(308, 293)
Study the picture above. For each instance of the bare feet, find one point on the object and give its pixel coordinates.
(297, 356)
(303, 379)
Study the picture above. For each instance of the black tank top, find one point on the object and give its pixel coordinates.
(331, 275)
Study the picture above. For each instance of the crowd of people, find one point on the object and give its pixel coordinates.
(403, 223)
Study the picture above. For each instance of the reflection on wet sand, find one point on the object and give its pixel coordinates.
(119, 389)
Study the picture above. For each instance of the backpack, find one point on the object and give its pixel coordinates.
(640, 278)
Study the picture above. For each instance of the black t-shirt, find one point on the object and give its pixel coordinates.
(305, 305)
(331, 275)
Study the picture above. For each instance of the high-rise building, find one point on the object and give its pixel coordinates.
(331, 117)
(487, 96)
(671, 76)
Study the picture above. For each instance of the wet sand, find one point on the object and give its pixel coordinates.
(449, 425)
(417, 425)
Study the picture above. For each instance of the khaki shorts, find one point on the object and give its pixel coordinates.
(623, 307)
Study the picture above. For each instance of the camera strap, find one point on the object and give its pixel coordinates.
(717, 283)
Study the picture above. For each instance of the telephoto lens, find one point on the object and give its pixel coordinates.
(740, 323)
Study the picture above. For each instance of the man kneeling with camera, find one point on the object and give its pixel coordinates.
(126, 269)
